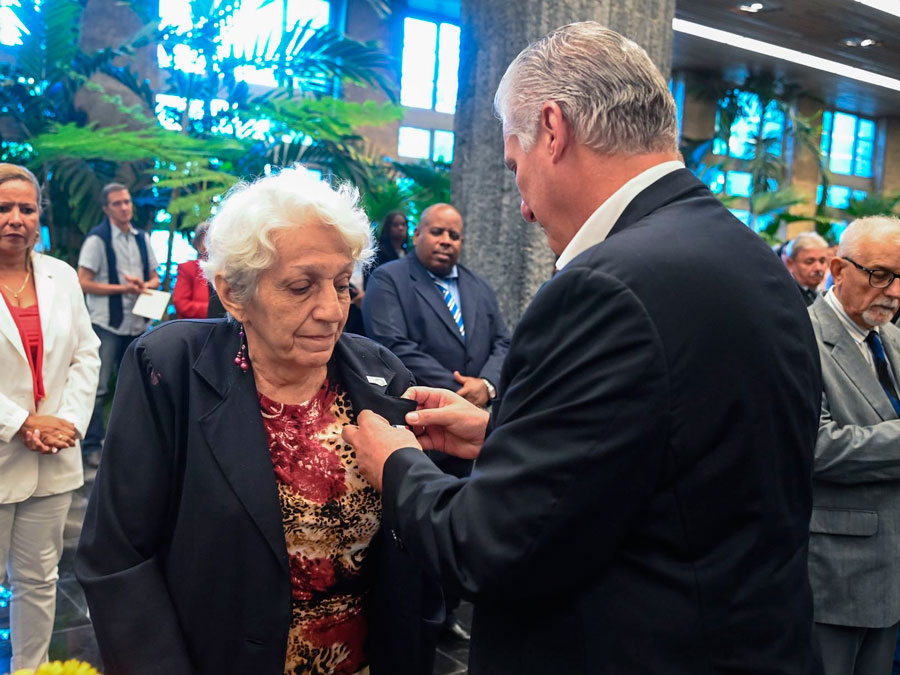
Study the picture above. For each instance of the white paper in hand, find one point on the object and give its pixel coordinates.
(152, 305)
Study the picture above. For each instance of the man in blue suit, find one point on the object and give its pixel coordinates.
(442, 320)
(444, 323)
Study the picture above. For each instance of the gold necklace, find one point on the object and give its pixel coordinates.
(15, 294)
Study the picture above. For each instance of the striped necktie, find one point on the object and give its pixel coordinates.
(444, 288)
(881, 368)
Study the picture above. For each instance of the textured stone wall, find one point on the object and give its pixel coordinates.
(511, 254)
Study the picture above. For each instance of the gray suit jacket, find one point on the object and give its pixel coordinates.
(854, 547)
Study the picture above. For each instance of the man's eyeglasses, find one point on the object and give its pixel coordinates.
(877, 278)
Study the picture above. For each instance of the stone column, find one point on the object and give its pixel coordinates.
(511, 254)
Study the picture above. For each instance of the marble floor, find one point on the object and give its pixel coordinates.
(73, 636)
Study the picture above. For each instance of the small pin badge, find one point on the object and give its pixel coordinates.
(380, 381)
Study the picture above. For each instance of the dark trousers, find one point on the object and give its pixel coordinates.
(856, 651)
(112, 349)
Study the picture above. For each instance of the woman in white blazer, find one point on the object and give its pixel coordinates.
(50, 366)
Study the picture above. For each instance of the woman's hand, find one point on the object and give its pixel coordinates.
(47, 431)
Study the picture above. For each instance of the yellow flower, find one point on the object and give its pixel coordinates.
(71, 667)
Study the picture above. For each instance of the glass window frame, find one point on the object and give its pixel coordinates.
(436, 19)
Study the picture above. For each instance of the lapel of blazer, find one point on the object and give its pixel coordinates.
(8, 326)
(354, 371)
(470, 300)
(846, 354)
(234, 430)
(669, 188)
(429, 292)
(47, 296)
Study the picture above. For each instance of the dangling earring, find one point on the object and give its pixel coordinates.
(241, 359)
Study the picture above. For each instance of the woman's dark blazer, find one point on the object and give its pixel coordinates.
(182, 556)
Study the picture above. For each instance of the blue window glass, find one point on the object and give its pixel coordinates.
(11, 28)
(429, 69)
(254, 31)
(443, 146)
(849, 143)
(753, 127)
(413, 142)
(859, 195)
(843, 135)
(838, 197)
(417, 66)
(739, 183)
(448, 68)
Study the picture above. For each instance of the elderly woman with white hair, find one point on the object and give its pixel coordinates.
(229, 530)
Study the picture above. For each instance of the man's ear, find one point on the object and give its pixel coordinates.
(556, 130)
(836, 266)
(226, 295)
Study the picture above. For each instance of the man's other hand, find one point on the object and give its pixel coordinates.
(447, 422)
(473, 389)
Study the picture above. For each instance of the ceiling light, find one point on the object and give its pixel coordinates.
(752, 8)
(889, 6)
(778, 52)
(861, 42)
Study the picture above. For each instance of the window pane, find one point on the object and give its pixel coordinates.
(863, 165)
(826, 132)
(255, 29)
(866, 129)
(417, 69)
(412, 142)
(443, 146)
(842, 136)
(859, 195)
(838, 197)
(716, 181)
(448, 68)
(738, 183)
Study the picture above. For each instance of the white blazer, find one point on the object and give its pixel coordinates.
(71, 370)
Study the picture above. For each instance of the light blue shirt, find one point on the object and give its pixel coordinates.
(452, 281)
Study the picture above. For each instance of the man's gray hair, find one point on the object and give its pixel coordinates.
(879, 228)
(803, 241)
(607, 87)
(239, 239)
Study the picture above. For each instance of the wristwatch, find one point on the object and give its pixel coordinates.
(492, 390)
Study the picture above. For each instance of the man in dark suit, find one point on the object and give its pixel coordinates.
(641, 503)
(444, 324)
(408, 304)
(806, 257)
(854, 547)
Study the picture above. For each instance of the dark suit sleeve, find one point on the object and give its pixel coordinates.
(499, 342)
(124, 530)
(578, 446)
(385, 322)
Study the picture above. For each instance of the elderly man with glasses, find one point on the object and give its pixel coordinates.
(854, 551)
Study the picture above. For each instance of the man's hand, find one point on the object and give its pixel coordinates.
(447, 422)
(134, 285)
(374, 440)
(473, 389)
(52, 432)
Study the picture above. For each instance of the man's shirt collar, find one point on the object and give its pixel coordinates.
(454, 274)
(598, 226)
(858, 333)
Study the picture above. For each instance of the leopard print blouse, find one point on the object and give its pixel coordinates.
(330, 515)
